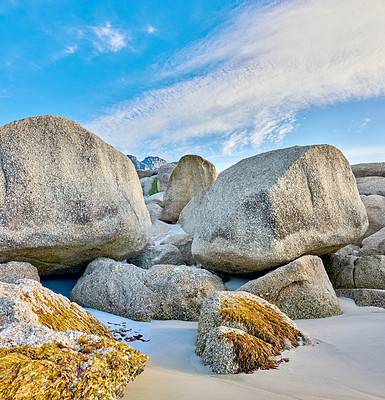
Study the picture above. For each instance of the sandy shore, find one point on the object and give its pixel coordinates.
(348, 362)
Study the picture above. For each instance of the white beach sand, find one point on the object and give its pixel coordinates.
(347, 362)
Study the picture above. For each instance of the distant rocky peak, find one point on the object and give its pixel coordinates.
(149, 163)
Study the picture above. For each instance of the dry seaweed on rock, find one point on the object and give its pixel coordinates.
(97, 370)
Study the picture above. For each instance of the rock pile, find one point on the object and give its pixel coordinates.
(358, 270)
(50, 345)
(161, 292)
(272, 208)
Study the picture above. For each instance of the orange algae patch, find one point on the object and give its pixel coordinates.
(268, 334)
(55, 372)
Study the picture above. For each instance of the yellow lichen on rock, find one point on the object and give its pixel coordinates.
(97, 370)
(261, 321)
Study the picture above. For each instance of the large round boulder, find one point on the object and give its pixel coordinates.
(66, 197)
(190, 176)
(300, 289)
(272, 208)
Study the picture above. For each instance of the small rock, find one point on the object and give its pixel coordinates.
(156, 198)
(300, 289)
(375, 208)
(160, 254)
(374, 244)
(146, 184)
(190, 176)
(164, 174)
(145, 173)
(183, 242)
(369, 169)
(371, 185)
(15, 270)
(154, 210)
(364, 297)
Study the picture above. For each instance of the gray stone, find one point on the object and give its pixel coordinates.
(145, 173)
(164, 174)
(350, 272)
(183, 242)
(371, 185)
(154, 210)
(161, 292)
(340, 269)
(364, 297)
(156, 198)
(146, 184)
(374, 244)
(375, 208)
(369, 169)
(160, 254)
(190, 215)
(15, 270)
(274, 207)
(190, 176)
(300, 289)
(66, 197)
(232, 323)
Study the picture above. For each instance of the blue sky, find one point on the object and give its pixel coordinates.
(222, 79)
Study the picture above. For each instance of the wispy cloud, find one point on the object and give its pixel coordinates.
(252, 77)
(150, 29)
(365, 122)
(108, 39)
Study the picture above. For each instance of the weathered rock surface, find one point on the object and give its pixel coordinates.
(274, 207)
(66, 197)
(190, 215)
(369, 169)
(300, 289)
(190, 176)
(161, 292)
(374, 244)
(240, 332)
(350, 272)
(371, 185)
(15, 270)
(364, 297)
(160, 254)
(375, 208)
(164, 174)
(154, 210)
(146, 184)
(50, 345)
(183, 242)
(156, 198)
(145, 173)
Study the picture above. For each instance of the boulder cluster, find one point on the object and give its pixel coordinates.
(158, 242)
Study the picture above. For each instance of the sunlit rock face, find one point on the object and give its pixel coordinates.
(272, 208)
(66, 197)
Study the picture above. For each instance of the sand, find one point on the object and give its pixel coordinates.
(346, 362)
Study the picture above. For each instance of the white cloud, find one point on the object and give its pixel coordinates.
(365, 122)
(150, 29)
(109, 39)
(253, 76)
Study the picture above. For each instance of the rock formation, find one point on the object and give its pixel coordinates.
(66, 197)
(161, 292)
(240, 332)
(272, 208)
(190, 176)
(300, 289)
